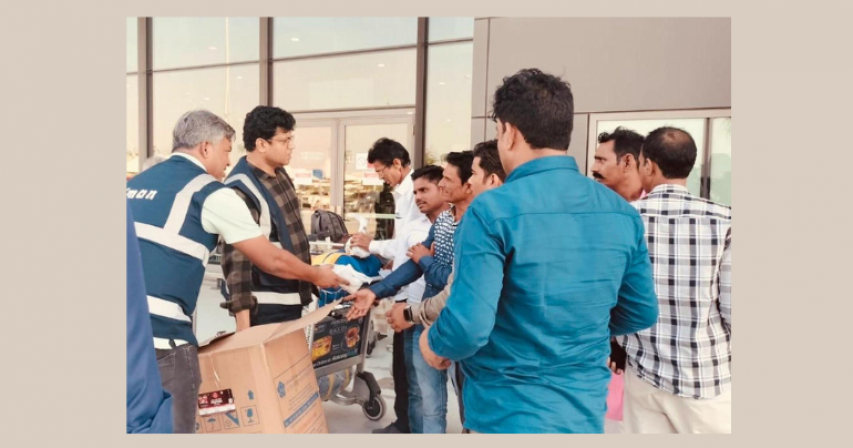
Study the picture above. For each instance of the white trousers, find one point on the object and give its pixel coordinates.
(649, 410)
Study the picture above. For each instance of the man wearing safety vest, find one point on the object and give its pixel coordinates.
(180, 209)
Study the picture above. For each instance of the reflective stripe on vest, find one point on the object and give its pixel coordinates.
(274, 298)
(266, 227)
(172, 241)
(182, 202)
(164, 308)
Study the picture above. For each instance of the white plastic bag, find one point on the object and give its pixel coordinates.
(356, 279)
(362, 228)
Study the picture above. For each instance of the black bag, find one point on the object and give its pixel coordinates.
(326, 224)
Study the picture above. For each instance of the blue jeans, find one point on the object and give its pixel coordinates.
(416, 420)
(433, 390)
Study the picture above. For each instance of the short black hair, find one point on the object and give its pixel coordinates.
(540, 105)
(673, 150)
(463, 162)
(386, 150)
(625, 141)
(490, 160)
(263, 122)
(432, 173)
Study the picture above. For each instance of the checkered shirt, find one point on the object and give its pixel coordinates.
(688, 352)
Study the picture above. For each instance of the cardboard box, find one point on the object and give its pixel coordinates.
(261, 380)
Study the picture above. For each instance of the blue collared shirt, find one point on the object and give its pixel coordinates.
(548, 267)
(435, 269)
(149, 407)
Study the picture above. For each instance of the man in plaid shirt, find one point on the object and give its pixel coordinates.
(678, 377)
(255, 298)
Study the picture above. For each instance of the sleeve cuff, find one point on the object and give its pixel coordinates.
(374, 248)
(380, 290)
(416, 313)
(426, 262)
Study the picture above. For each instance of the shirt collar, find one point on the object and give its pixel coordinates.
(189, 157)
(669, 188)
(406, 186)
(541, 165)
(261, 173)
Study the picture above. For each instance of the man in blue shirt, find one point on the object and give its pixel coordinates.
(548, 267)
(434, 260)
(149, 407)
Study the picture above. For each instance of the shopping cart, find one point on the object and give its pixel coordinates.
(338, 348)
(335, 372)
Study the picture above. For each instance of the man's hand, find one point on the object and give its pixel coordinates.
(437, 362)
(612, 367)
(361, 240)
(243, 321)
(325, 278)
(364, 299)
(417, 252)
(396, 319)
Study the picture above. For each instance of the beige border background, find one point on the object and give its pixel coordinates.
(64, 270)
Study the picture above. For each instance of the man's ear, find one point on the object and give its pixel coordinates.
(261, 145)
(630, 162)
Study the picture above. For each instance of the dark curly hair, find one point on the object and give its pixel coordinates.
(463, 161)
(431, 173)
(263, 122)
(540, 105)
(625, 141)
(490, 160)
(386, 150)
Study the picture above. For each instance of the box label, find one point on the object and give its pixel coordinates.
(336, 339)
(216, 402)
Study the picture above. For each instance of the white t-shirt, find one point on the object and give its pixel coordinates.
(225, 214)
(409, 225)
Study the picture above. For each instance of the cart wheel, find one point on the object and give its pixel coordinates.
(374, 409)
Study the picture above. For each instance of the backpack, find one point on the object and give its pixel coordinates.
(326, 224)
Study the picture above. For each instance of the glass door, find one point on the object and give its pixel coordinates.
(331, 171)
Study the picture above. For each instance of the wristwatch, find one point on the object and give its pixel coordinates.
(407, 314)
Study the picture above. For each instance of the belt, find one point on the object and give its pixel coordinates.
(274, 298)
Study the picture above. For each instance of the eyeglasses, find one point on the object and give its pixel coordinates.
(380, 171)
(289, 142)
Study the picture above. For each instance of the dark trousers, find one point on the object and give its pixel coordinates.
(460, 381)
(401, 384)
(181, 377)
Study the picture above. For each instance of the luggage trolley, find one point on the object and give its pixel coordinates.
(337, 349)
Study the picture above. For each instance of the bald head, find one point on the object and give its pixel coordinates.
(672, 150)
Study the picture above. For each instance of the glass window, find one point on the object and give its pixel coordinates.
(189, 42)
(299, 36)
(693, 126)
(132, 48)
(346, 82)
(311, 168)
(230, 92)
(721, 160)
(132, 117)
(448, 109)
(447, 28)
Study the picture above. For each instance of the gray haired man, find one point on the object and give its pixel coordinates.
(180, 209)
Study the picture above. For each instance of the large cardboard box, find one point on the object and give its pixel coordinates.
(261, 380)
